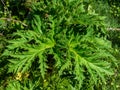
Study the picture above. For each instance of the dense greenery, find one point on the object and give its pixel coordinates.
(58, 45)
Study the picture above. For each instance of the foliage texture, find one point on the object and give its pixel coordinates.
(63, 47)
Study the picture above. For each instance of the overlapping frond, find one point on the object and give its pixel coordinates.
(65, 43)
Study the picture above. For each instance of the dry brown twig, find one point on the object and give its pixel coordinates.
(3, 2)
(113, 29)
(13, 20)
(10, 19)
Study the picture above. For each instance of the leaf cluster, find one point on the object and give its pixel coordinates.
(63, 48)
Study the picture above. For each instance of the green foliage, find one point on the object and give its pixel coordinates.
(108, 8)
(63, 47)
